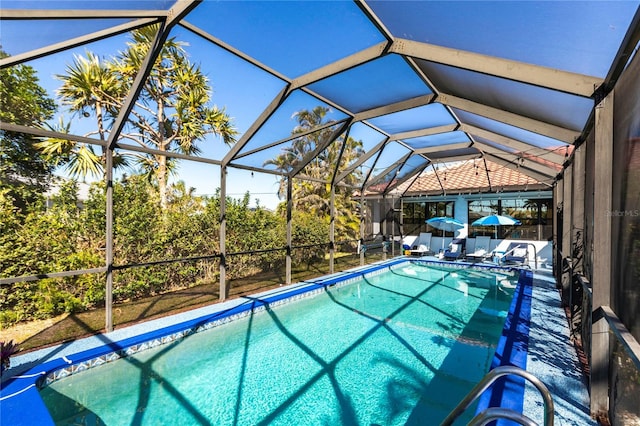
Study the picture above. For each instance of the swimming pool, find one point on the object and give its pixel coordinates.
(393, 347)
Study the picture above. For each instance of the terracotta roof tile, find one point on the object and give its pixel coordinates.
(467, 176)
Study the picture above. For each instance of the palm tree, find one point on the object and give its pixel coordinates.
(313, 195)
(291, 156)
(88, 87)
(79, 159)
(171, 114)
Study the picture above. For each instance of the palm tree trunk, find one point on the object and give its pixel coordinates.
(162, 159)
(100, 119)
(162, 179)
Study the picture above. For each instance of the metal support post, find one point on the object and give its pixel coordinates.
(332, 228)
(223, 233)
(363, 215)
(109, 240)
(603, 190)
(289, 225)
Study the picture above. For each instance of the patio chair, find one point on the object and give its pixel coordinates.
(455, 250)
(517, 253)
(481, 250)
(422, 245)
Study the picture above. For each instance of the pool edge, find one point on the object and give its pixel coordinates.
(20, 399)
(508, 392)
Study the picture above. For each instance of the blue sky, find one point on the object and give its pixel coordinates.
(242, 89)
(205, 178)
(297, 37)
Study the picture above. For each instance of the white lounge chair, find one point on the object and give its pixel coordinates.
(481, 250)
(422, 245)
(517, 254)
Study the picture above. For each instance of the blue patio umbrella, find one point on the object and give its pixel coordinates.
(445, 223)
(496, 220)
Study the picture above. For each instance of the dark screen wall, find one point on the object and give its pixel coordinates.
(625, 213)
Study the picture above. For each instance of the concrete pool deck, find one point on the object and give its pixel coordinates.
(553, 359)
(551, 356)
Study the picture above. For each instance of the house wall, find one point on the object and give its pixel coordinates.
(388, 208)
(383, 207)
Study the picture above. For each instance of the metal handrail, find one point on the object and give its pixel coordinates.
(535, 254)
(487, 381)
(495, 413)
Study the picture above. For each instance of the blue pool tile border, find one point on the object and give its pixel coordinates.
(20, 399)
(513, 347)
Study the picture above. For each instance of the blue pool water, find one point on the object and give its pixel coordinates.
(400, 347)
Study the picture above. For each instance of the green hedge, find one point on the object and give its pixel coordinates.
(70, 235)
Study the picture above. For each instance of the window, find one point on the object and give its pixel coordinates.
(413, 218)
(546, 220)
(416, 215)
(478, 209)
(535, 216)
(526, 211)
(443, 208)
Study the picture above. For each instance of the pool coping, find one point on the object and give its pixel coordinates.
(19, 394)
(512, 350)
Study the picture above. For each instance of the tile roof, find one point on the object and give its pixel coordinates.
(468, 176)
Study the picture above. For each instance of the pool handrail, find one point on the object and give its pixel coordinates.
(490, 413)
(535, 253)
(495, 413)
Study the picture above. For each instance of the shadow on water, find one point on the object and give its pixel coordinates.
(147, 376)
(467, 361)
(243, 368)
(68, 411)
(438, 395)
(434, 396)
(328, 368)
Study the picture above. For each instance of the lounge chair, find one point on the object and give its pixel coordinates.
(455, 250)
(481, 250)
(422, 245)
(517, 253)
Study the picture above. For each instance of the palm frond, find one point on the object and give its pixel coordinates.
(85, 162)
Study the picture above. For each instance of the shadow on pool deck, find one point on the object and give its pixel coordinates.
(553, 359)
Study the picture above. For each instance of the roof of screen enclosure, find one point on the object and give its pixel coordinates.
(419, 82)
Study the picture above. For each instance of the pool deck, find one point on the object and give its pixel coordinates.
(551, 355)
(553, 359)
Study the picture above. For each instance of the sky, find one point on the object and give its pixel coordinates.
(266, 30)
(203, 177)
(238, 86)
(243, 102)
